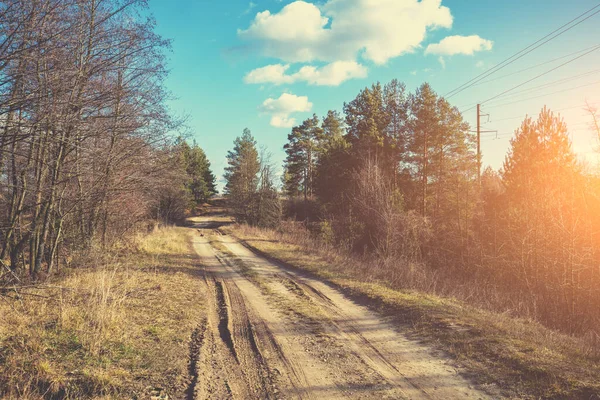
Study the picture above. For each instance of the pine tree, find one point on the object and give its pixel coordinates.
(396, 107)
(333, 130)
(201, 180)
(539, 158)
(367, 123)
(424, 122)
(546, 231)
(334, 164)
(442, 152)
(302, 150)
(241, 174)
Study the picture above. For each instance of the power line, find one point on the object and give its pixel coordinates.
(552, 35)
(553, 83)
(542, 74)
(544, 95)
(581, 106)
(498, 136)
(532, 89)
(556, 110)
(509, 118)
(481, 134)
(533, 66)
(510, 60)
(537, 76)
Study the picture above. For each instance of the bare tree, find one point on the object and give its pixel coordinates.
(83, 115)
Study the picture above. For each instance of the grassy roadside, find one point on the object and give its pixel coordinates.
(120, 330)
(521, 357)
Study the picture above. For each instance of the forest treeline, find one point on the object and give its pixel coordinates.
(86, 149)
(396, 177)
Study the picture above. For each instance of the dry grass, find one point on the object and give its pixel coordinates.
(118, 330)
(522, 357)
(164, 242)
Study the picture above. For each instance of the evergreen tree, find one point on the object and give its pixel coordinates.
(396, 107)
(424, 122)
(367, 122)
(333, 130)
(201, 180)
(241, 175)
(442, 153)
(266, 207)
(540, 157)
(546, 233)
(333, 166)
(377, 121)
(302, 150)
(210, 179)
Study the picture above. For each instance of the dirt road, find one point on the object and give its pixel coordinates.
(272, 333)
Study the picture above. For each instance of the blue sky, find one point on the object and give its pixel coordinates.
(345, 45)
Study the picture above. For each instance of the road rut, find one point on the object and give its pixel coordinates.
(273, 333)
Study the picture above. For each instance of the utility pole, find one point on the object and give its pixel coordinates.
(479, 144)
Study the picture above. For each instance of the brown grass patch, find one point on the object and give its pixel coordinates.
(118, 330)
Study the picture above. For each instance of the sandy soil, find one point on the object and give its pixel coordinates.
(273, 333)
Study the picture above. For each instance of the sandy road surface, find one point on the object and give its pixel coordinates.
(272, 333)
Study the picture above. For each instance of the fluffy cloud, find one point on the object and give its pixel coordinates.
(332, 74)
(452, 45)
(341, 29)
(296, 20)
(270, 74)
(279, 121)
(280, 109)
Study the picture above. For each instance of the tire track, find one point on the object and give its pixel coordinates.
(196, 342)
(278, 359)
(220, 375)
(408, 368)
(239, 334)
(348, 372)
(241, 358)
(362, 347)
(327, 340)
(223, 313)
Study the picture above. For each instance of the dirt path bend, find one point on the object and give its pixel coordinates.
(272, 333)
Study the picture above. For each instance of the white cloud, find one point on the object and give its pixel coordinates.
(279, 121)
(297, 19)
(480, 64)
(251, 6)
(332, 74)
(442, 62)
(452, 45)
(270, 74)
(342, 29)
(280, 109)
